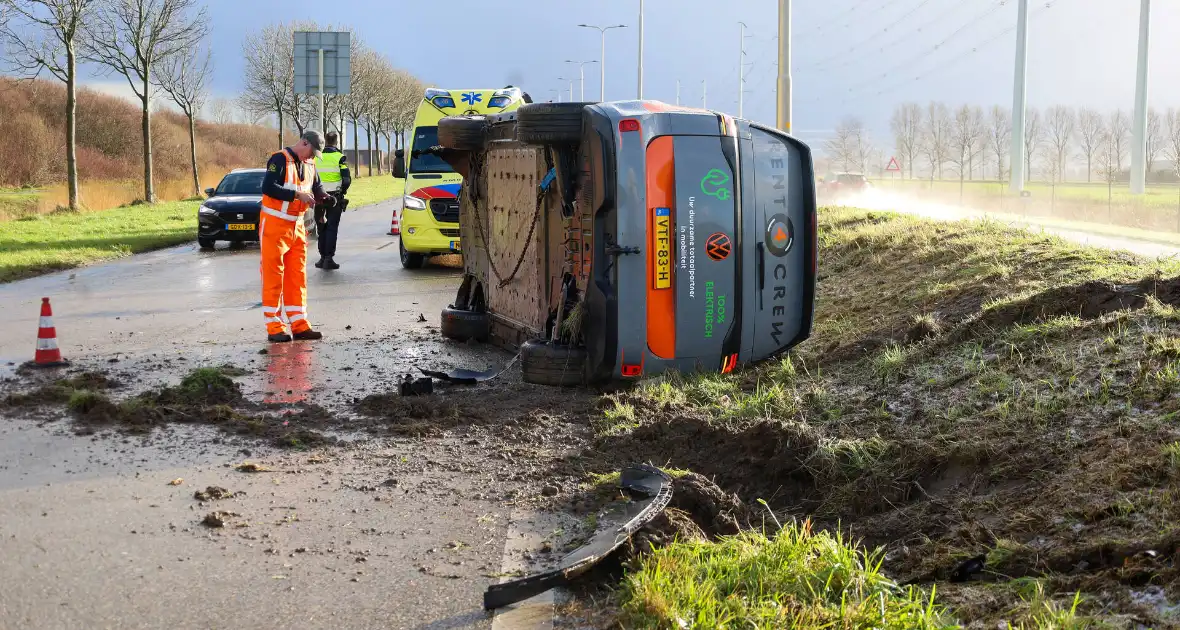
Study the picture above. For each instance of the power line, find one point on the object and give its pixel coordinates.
(954, 8)
(950, 60)
(824, 26)
(924, 54)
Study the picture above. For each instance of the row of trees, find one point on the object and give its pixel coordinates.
(152, 44)
(382, 99)
(149, 43)
(974, 142)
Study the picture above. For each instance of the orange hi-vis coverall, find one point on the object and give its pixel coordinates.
(283, 238)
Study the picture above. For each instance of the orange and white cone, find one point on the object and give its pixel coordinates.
(394, 227)
(48, 354)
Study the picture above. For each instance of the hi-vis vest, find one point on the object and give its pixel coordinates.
(291, 210)
(328, 166)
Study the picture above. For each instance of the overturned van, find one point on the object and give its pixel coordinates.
(621, 240)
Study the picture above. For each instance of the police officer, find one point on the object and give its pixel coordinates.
(334, 175)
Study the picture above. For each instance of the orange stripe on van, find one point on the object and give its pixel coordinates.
(661, 302)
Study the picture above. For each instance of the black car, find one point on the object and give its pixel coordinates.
(232, 209)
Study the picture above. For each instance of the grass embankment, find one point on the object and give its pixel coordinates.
(969, 390)
(44, 243)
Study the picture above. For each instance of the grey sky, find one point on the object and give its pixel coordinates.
(1082, 51)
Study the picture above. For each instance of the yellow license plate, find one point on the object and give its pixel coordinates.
(240, 226)
(662, 246)
(456, 246)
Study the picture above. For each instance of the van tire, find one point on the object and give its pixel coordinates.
(462, 325)
(410, 260)
(207, 243)
(550, 123)
(463, 133)
(548, 363)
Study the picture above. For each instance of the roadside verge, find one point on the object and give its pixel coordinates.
(43, 244)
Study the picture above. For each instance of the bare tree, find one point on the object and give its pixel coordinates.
(966, 135)
(844, 148)
(1034, 136)
(906, 125)
(44, 35)
(1155, 139)
(363, 64)
(131, 38)
(221, 111)
(1172, 146)
(936, 137)
(1109, 163)
(270, 73)
(1061, 125)
(1119, 131)
(185, 78)
(1090, 131)
(999, 136)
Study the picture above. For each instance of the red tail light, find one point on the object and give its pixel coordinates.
(628, 124)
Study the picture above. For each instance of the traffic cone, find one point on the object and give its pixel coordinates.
(48, 354)
(394, 227)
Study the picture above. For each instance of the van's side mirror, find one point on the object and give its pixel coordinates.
(209, 192)
(399, 164)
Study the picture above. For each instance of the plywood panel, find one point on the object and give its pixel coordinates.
(513, 177)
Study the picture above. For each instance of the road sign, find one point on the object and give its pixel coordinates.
(337, 69)
(893, 165)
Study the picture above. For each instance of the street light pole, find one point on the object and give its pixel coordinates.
(1019, 99)
(784, 65)
(602, 59)
(741, 66)
(1139, 133)
(581, 75)
(640, 50)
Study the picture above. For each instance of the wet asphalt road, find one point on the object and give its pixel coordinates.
(92, 535)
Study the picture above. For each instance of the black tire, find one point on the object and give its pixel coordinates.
(462, 325)
(410, 260)
(463, 133)
(549, 363)
(207, 243)
(550, 123)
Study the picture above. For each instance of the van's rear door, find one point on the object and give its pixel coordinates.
(692, 198)
(778, 195)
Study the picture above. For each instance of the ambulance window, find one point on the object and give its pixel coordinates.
(424, 138)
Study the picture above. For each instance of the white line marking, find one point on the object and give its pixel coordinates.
(535, 613)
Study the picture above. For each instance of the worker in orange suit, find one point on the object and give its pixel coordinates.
(290, 188)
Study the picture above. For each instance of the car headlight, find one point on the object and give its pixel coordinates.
(206, 210)
(413, 203)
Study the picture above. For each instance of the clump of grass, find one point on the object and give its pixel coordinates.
(205, 385)
(617, 419)
(85, 401)
(1172, 452)
(796, 579)
(890, 362)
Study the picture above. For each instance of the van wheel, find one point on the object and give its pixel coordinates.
(548, 363)
(550, 123)
(463, 133)
(207, 243)
(410, 260)
(462, 325)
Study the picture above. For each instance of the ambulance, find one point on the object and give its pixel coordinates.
(428, 220)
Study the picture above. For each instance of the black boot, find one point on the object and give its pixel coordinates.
(278, 338)
(309, 335)
(319, 264)
(330, 263)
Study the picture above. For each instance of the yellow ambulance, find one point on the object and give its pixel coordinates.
(429, 217)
